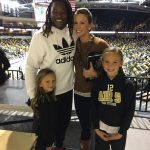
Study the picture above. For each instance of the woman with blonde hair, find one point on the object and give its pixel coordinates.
(87, 46)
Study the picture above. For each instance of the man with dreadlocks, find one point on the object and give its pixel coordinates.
(53, 47)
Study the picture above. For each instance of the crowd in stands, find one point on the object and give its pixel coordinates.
(20, 25)
(116, 20)
(15, 48)
(112, 20)
(12, 32)
(136, 51)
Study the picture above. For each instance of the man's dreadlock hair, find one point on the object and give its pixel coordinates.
(48, 23)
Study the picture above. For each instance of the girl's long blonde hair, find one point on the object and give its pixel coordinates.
(39, 91)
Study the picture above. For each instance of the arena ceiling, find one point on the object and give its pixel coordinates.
(23, 1)
(131, 5)
(136, 5)
(25, 5)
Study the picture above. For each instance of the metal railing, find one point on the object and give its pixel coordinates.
(142, 85)
(15, 74)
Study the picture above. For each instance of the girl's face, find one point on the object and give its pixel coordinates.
(59, 15)
(48, 83)
(82, 26)
(111, 63)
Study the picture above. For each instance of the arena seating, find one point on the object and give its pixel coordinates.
(136, 51)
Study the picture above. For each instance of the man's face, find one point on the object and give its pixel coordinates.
(59, 15)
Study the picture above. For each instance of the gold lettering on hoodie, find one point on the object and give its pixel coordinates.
(107, 97)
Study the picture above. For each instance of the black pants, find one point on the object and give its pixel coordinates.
(64, 106)
(83, 106)
(46, 132)
(115, 144)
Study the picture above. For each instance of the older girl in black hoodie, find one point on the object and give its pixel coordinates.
(114, 102)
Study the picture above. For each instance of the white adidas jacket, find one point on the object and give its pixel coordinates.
(55, 52)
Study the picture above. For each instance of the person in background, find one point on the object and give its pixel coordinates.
(4, 65)
(84, 70)
(114, 102)
(44, 108)
(53, 47)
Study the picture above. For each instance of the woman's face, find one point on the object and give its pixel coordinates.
(59, 15)
(82, 26)
(111, 63)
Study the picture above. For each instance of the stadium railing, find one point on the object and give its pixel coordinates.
(142, 85)
(15, 74)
